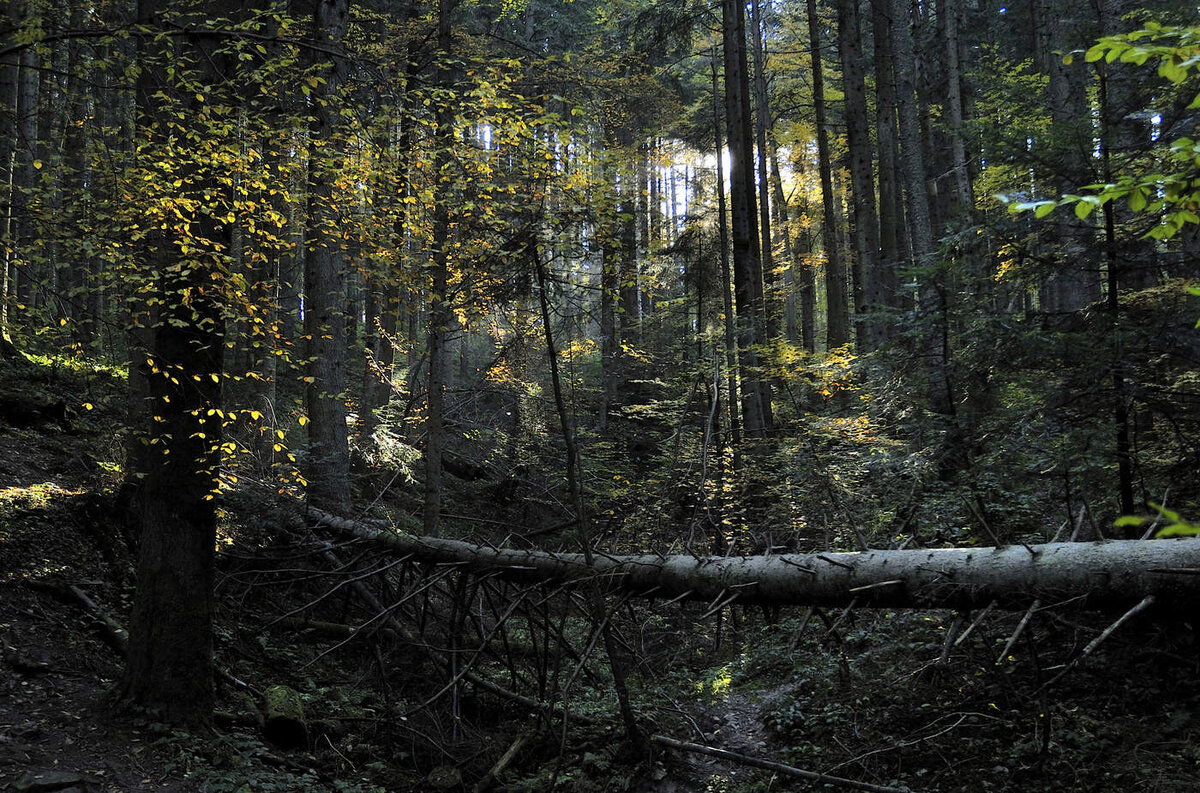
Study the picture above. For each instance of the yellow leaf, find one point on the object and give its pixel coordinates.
(303, 420)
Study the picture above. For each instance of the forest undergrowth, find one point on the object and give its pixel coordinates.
(386, 656)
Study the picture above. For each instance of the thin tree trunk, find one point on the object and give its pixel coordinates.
(24, 273)
(763, 128)
(1120, 407)
(617, 662)
(9, 68)
(838, 328)
(730, 335)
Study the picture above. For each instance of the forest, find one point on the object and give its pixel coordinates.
(599, 395)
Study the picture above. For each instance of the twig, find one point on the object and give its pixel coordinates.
(779, 768)
(1012, 640)
(490, 778)
(944, 658)
(1146, 603)
(962, 637)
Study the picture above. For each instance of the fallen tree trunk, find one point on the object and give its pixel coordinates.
(1107, 575)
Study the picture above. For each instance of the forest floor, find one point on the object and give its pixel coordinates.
(865, 699)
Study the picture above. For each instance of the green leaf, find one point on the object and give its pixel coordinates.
(1137, 200)
(1043, 208)
(1178, 530)
(1083, 209)
(1172, 71)
(1129, 520)
(1170, 515)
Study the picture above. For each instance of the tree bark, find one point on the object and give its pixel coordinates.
(1110, 575)
(763, 129)
(439, 295)
(325, 274)
(747, 265)
(170, 637)
(932, 299)
(892, 242)
(730, 335)
(837, 330)
(865, 221)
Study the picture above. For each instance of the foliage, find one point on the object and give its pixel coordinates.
(1176, 526)
(1171, 191)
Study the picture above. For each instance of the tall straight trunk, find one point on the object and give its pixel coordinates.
(932, 299)
(762, 129)
(747, 269)
(892, 241)
(610, 280)
(325, 272)
(1074, 283)
(837, 315)
(9, 69)
(439, 295)
(1112, 263)
(381, 341)
(629, 316)
(964, 201)
(79, 276)
(24, 230)
(865, 220)
(617, 662)
(791, 246)
(730, 335)
(170, 645)
(19, 91)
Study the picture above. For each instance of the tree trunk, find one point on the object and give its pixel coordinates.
(763, 128)
(1074, 282)
(8, 127)
(325, 274)
(892, 242)
(617, 662)
(963, 205)
(932, 299)
(1105, 575)
(747, 268)
(439, 296)
(730, 335)
(170, 643)
(865, 221)
(26, 269)
(791, 246)
(838, 328)
(1113, 304)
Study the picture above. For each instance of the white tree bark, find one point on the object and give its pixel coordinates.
(1107, 575)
